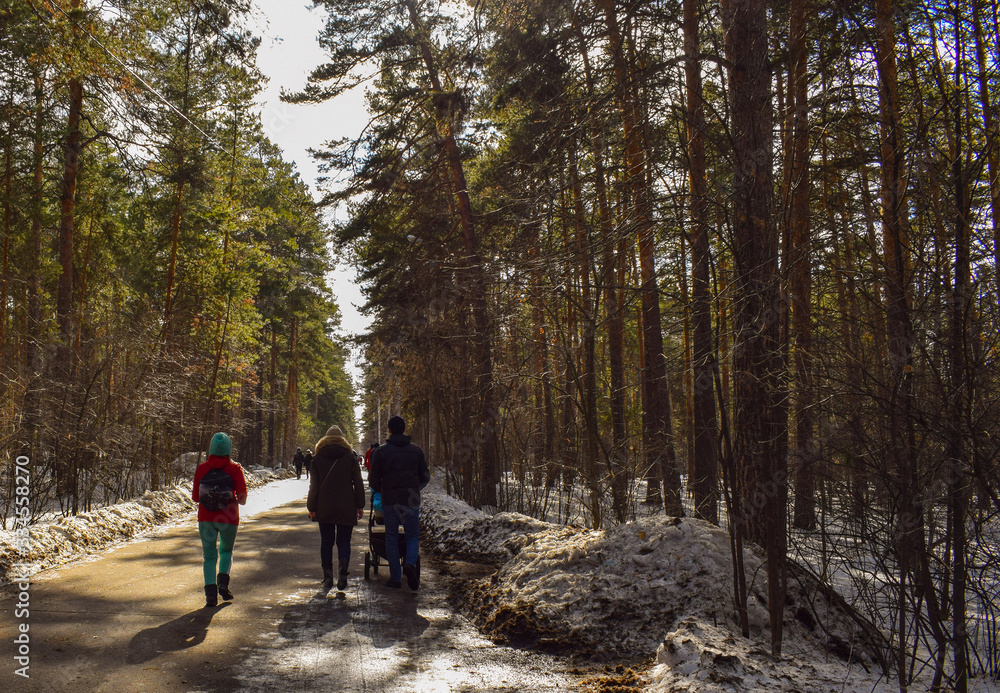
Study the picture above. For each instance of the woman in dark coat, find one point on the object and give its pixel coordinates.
(336, 501)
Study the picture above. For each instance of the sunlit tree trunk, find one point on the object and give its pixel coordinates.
(657, 436)
(446, 105)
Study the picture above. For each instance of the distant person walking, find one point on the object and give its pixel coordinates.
(298, 460)
(336, 501)
(368, 456)
(220, 489)
(307, 462)
(399, 471)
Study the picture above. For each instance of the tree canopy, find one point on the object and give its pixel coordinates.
(164, 267)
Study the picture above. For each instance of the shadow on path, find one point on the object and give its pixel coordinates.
(133, 620)
(183, 632)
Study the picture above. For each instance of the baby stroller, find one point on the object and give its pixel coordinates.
(376, 541)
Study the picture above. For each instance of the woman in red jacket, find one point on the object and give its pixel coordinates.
(220, 489)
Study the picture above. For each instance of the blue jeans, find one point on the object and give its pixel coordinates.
(330, 534)
(409, 517)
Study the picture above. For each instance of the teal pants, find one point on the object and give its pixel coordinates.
(217, 539)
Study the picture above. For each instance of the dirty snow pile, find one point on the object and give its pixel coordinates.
(658, 586)
(65, 538)
(452, 528)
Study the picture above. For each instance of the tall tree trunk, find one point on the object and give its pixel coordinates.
(613, 311)
(446, 112)
(8, 214)
(706, 444)
(542, 447)
(899, 329)
(588, 376)
(687, 430)
(620, 479)
(291, 394)
(222, 320)
(992, 139)
(657, 436)
(255, 454)
(800, 273)
(67, 214)
(760, 404)
(961, 384)
(724, 320)
(67, 199)
(272, 379)
(67, 451)
(545, 471)
(175, 234)
(32, 354)
(842, 265)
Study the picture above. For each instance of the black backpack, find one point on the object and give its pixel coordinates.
(215, 492)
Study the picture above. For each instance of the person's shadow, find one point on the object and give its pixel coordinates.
(183, 632)
(396, 620)
(311, 620)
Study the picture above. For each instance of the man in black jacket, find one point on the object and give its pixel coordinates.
(399, 470)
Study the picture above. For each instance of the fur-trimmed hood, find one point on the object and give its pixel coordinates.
(331, 440)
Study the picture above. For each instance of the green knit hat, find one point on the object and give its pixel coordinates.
(221, 445)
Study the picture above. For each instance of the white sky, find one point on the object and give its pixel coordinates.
(288, 52)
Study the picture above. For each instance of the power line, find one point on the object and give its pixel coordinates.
(144, 83)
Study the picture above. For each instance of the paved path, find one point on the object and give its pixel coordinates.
(133, 620)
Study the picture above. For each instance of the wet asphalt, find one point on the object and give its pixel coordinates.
(132, 619)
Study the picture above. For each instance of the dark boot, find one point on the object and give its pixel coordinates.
(342, 580)
(223, 582)
(412, 578)
(211, 595)
(327, 578)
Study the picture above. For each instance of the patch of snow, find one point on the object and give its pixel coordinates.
(655, 587)
(457, 530)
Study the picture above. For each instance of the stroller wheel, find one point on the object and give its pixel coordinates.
(368, 564)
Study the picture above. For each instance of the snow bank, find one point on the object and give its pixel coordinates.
(697, 656)
(613, 593)
(452, 528)
(67, 538)
(660, 586)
